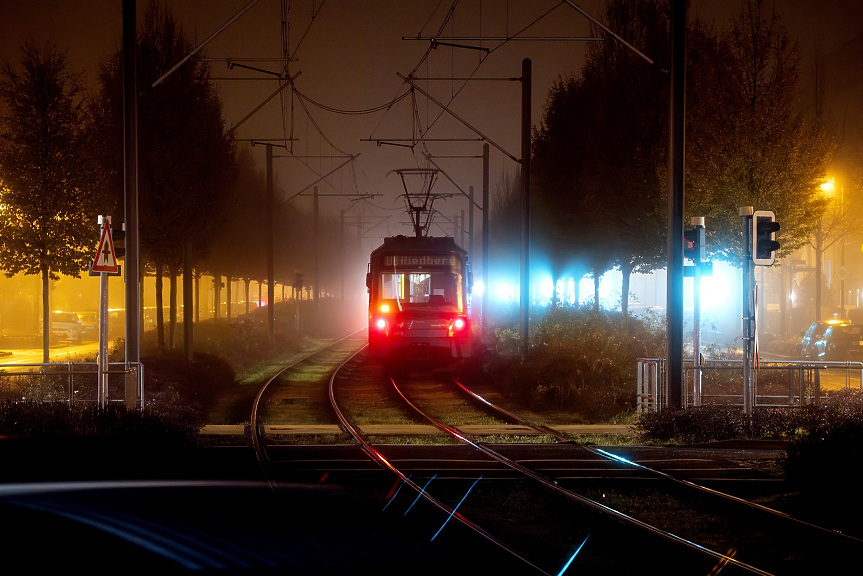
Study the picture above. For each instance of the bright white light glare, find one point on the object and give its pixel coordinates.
(505, 292)
(459, 323)
(478, 288)
(716, 289)
(609, 290)
(546, 289)
(381, 324)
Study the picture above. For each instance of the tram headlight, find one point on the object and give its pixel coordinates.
(381, 324)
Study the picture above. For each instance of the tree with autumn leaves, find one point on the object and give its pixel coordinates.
(600, 153)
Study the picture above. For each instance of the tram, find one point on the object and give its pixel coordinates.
(419, 299)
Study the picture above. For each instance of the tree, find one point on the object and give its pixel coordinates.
(599, 151)
(48, 204)
(747, 142)
(186, 160)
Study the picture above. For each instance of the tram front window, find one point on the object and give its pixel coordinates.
(423, 288)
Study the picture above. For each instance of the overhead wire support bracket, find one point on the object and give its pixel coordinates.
(334, 170)
(436, 43)
(232, 65)
(440, 40)
(446, 109)
(200, 46)
(282, 86)
(641, 54)
(453, 182)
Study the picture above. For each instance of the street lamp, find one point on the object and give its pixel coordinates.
(827, 191)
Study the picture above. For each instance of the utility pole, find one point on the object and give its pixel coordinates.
(317, 240)
(674, 305)
(485, 211)
(130, 180)
(271, 287)
(525, 204)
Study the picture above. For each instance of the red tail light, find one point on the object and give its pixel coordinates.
(382, 326)
(458, 326)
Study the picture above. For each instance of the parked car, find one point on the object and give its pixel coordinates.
(841, 343)
(89, 325)
(66, 325)
(806, 347)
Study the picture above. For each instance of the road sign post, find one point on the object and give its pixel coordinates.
(104, 263)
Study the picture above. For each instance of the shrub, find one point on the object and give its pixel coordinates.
(578, 359)
(837, 417)
(62, 419)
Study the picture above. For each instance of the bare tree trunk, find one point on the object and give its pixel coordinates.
(229, 280)
(160, 314)
(188, 336)
(626, 273)
(217, 293)
(172, 308)
(596, 279)
(197, 297)
(46, 314)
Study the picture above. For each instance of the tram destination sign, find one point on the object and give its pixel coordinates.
(420, 260)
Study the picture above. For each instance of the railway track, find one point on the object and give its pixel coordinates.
(593, 482)
(836, 550)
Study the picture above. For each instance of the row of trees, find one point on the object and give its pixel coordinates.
(61, 164)
(600, 155)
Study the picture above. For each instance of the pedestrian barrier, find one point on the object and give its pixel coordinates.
(786, 383)
(72, 382)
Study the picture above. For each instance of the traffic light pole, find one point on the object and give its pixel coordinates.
(747, 269)
(698, 222)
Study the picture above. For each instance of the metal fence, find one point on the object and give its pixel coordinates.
(72, 382)
(787, 384)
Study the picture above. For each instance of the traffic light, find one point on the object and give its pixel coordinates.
(764, 244)
(693, 244)
(690, 244)
(119, 239)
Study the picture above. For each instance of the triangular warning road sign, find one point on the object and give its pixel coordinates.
(106, 260)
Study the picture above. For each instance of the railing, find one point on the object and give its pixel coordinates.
(72, 382)
(801, 386)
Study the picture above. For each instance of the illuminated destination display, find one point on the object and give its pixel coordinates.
(421, 260)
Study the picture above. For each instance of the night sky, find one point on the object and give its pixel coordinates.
(351, 52)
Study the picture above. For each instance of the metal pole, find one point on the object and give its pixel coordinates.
(130, 148)
(470, 221)
(485, 210)
(698, 222)
(317, 285)
(342, 252)
(674, 306)
(103, 339)
(525, 204)
(746, 267)
(271, 286)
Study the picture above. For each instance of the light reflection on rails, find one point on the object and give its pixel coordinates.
(688, 484)
(592, 504)
(382, 461)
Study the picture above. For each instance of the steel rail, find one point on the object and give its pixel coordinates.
(384, 463)
(261, 454)
(681, 481)
(578, 498)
